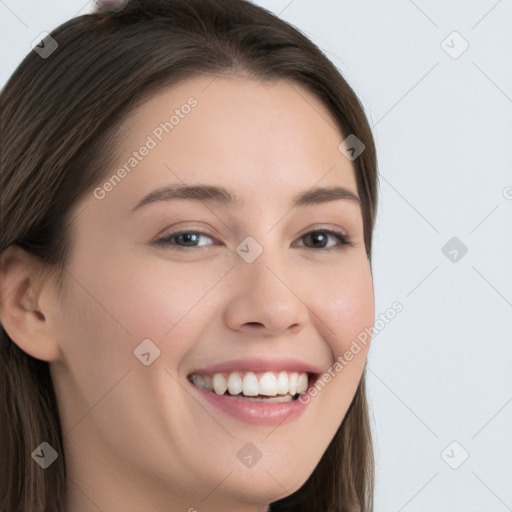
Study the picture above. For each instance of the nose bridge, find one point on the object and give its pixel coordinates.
(265, 254)
(264, 238)
(265, 291)
(264, 288)
(260, 253)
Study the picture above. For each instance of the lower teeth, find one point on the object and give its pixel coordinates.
(283, 398)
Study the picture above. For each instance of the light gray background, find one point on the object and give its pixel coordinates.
(440, 371)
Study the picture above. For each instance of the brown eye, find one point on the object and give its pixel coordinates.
(319, 238)
(187, 238)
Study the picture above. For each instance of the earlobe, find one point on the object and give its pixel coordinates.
(26, 319)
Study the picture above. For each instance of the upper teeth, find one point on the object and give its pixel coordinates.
(268, 383)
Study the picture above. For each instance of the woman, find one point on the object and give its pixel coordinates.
(188, 199)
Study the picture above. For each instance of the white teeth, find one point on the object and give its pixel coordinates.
(247, 384)
(234, 384)
(250, 385)
(220, 384)
(285, 398)
(293, 383)
(267, 384)
(302, 383)
(282, 383)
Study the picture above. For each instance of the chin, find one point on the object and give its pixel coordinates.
(264, 485)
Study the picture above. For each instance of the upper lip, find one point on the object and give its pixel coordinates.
(259, 364)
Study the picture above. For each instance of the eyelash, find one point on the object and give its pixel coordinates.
(165, 241)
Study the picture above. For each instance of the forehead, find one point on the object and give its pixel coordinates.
(264, 140)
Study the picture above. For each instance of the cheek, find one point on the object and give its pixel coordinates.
(145, 297)
(346, 310)
(134, 300)
(165, 301)
(158, 297)
(95, 351)
(157, 301)
(346, 304)
(352, 315)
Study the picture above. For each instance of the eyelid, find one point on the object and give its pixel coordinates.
(343, 238)
(161, 240)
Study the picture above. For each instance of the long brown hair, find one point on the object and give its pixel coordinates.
(59, 120)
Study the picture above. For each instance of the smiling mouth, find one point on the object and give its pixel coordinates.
(256, 386)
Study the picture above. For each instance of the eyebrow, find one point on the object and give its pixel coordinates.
(222, 196)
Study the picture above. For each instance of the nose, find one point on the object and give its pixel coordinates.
(266, 298)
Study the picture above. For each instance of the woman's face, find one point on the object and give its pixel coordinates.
(248, 287)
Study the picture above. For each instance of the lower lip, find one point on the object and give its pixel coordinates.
(257, 413)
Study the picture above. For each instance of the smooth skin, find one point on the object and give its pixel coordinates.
(137, 437)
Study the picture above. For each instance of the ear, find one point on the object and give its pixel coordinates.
(27, 308)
